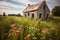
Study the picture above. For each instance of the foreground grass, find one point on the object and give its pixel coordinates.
(36, 29)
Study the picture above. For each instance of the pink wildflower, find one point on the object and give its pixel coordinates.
(17, 31)
(44, 31)
(28, 36)
(20, 29)
(9, 35)
(13, 25)
(14, 28)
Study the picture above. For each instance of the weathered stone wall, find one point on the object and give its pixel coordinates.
(40, 10)
(30, 14)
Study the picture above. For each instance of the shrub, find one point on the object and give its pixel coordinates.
(56, 11)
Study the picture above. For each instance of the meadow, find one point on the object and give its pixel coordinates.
(20, 28)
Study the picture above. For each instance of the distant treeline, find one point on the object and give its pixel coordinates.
(4, 14)
(14, 15)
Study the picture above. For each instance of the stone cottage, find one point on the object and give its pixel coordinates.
(37, 10)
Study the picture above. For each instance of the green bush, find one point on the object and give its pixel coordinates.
(56, 11)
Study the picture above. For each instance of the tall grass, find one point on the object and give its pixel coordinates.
(19, 28)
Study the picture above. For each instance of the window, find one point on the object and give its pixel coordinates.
(47, 16)
(44, 7)
(28, 14)
(40, 15)
(25, 15)
(32, 15)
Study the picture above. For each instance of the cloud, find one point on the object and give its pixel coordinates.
(53, 3)
(35, 0)
(10, 4)
(9, 12)
(9, 8)
(24, 1)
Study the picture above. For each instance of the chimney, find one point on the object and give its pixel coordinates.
(28, 4)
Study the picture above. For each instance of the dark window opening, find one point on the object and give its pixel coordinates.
(47, 16)
(32, 15)
(28, 14)
(44, 7)
(25, 15)
(40, 15)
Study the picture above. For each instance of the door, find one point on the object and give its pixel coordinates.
(40, 15)
(46, 15)
(32, 15)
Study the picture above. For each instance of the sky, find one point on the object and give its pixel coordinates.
(17, 6)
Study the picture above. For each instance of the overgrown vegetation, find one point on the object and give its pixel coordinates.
(56, 11)
(19, 28)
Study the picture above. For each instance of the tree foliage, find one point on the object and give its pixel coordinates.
(56, 11)
(15, 14)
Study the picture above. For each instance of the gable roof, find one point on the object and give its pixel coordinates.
(33, 7)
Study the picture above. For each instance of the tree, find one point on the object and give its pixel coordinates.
(56, 11)
(18, 14)
(11, 14)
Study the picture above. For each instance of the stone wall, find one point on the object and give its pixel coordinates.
(30, 14)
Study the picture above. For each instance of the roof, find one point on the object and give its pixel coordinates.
(32, 7)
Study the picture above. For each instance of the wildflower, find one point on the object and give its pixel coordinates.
(28, 36)
(9, 35)
(25, 38)
(44, 31)
(17, 31)
(20, 29)
(13, 25)
(11, 30)
(14, 28)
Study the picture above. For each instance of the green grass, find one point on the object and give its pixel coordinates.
(33, 27)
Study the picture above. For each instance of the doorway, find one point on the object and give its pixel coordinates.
(40, 15)
(32, 15)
